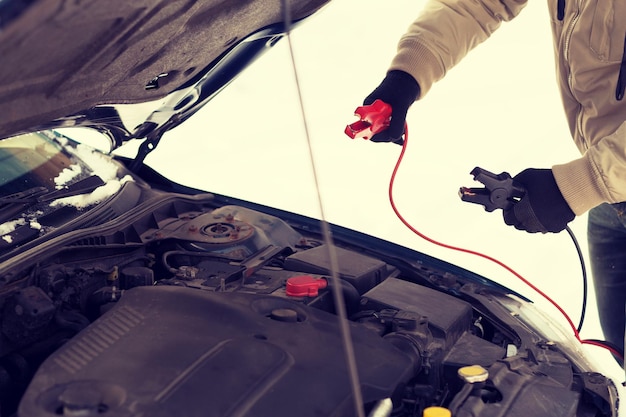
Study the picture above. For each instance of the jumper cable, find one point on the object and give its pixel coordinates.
(375, 118)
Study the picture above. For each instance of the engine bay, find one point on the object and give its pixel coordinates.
(184, 307)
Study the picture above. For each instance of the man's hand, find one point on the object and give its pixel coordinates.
(542, 208)
(399, 90)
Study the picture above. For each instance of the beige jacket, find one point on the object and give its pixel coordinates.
(589, 38)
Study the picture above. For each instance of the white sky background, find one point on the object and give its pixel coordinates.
(499, 109)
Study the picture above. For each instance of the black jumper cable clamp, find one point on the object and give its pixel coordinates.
(500, 191)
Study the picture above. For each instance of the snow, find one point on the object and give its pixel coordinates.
(67, 175)
(100, 164)
(102, 167)
(8, 227)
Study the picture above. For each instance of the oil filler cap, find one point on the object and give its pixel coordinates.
(285, 315)
(304, 286)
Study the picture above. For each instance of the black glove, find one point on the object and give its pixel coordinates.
(542, 208)
(399, 90)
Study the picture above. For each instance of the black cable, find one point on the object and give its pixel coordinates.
(584, 275)
(617, 352)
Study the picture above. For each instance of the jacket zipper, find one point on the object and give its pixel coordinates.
(566, 44)
(560, 10)
(620, 88)
(621, 78)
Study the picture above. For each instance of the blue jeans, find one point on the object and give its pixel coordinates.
(606, 234)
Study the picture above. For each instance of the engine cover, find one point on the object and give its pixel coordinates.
(165, 350)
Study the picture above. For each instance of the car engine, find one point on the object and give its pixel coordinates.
(182, 306)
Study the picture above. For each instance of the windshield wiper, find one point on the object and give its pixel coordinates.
(23, 196)
(42, 194)
(14, 204)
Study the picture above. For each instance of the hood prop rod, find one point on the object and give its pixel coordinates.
(340, 306)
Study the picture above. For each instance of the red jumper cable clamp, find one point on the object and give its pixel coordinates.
(373, 118)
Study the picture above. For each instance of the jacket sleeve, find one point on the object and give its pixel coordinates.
(598, 176)
(445, 32)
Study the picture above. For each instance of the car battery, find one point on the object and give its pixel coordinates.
(363, 272)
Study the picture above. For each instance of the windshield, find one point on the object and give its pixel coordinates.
(46, 181)
(29, 161)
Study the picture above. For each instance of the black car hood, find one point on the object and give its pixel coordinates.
(62, 59)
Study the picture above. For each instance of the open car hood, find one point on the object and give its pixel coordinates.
(69, 63)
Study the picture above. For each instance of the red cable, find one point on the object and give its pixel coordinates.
(482, 255)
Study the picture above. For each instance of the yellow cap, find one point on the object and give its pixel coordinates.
(474, 373)
(437, 412)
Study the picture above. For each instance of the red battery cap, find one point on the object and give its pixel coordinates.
(305, 286)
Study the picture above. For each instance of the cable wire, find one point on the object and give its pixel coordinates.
(584, 277)
(576, 330)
